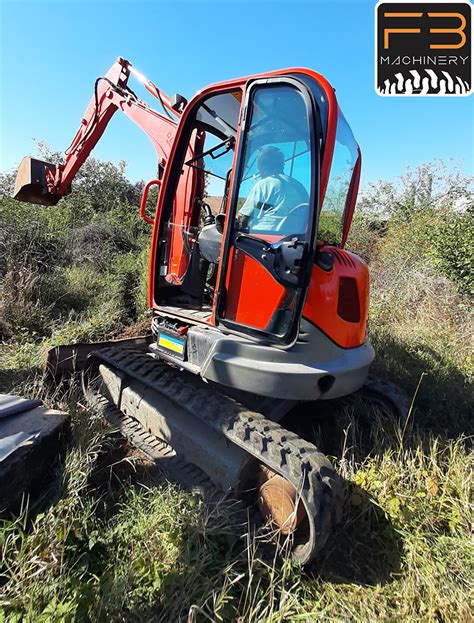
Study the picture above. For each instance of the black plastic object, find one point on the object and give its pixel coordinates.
(195, 278)
(285, 259)
(325, 260)
(207, 214)
(178, 102)
(171, 342)
(12, 405)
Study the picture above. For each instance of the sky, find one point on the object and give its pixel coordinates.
(52, 52)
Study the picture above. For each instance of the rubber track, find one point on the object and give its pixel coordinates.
(388, 395)
(298, 461)
(190, 477)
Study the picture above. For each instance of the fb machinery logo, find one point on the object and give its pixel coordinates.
(423, 48)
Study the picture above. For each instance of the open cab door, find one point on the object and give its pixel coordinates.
(269, 244)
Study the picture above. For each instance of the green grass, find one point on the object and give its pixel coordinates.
(107, 541)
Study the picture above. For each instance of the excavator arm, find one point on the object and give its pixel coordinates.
(45, 183)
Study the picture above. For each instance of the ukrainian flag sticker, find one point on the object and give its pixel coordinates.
(171, 343)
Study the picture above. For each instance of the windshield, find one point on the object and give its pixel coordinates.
(342, 168)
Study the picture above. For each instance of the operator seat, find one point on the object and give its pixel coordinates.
(210, 240)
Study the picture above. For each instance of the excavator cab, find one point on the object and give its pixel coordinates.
(247, 254)
(238, 212)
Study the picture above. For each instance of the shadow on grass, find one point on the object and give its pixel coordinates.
(364, 548)
(445, 399)
(17, 380)
(441, 394)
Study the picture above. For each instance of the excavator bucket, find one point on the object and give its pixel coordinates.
(31, 184)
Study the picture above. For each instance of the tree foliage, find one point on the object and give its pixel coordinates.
(433, 186)
(430, 208)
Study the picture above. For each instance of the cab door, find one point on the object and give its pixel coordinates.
(270, 234)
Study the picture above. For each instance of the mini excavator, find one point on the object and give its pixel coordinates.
(255, 305)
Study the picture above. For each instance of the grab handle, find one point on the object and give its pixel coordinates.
(144, 198)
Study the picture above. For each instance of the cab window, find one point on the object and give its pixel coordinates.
(275, 183)
(342, 168)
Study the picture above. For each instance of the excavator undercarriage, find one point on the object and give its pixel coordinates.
(240, 450)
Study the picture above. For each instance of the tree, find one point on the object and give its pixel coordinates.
(433, 186)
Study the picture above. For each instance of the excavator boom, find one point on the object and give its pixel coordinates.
(45, 183)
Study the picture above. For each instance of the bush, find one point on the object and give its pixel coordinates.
(453, 251)
(63, 264)
(96, 244)
(431, 209)
(433, 186)
(366, 234)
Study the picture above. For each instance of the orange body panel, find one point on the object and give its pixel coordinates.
(253, 295)
(321, 307)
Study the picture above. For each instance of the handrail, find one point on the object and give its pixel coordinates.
(144, 198)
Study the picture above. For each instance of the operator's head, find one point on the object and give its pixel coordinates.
(270, 161)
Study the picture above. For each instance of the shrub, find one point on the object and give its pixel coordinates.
(96, 244)
(433, 186)
(123, 287)
(452, 251)
(61, 264)
(366, 233)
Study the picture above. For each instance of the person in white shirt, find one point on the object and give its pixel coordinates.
(273, 196)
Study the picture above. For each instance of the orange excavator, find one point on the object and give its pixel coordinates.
(256, 307)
